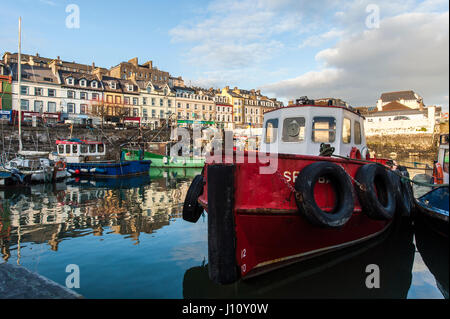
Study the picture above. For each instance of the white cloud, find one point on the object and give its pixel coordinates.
(408, 51)
(316, 40)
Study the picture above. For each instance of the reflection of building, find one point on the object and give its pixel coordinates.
(77, 211)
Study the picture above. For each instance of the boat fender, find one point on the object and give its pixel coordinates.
(343, 188)
(192, 210)
(376, 194)
(92, 170)
(165, 160)
(84, 170)
(438, 174)
(222, 264)
(405, 200)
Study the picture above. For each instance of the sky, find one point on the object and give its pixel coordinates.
(353, 50)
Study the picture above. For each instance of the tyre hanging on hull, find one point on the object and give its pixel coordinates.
(222, 264)
(376, 192)
(192, 210)
(343, 188)
(403, 191)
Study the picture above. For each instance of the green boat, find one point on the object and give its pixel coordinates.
(156, 152)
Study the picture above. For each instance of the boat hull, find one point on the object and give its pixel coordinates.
(166, 161)
(266, 227)
(109, 170)
(433, 208)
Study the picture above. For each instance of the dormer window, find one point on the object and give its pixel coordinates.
(70, 81)
(94, 84)
(113, 85)
(130, 88)
(83, 82)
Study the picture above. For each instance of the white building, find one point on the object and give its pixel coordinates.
(406, 98)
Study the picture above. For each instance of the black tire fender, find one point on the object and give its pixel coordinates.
(378, 202)
(192, 210)
(343, 188)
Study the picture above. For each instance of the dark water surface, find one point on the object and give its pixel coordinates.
(129, 241)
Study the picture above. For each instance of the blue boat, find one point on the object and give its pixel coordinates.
(12, 178)
(87, 158)
(433, 209)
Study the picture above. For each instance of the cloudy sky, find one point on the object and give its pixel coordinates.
(354, 49)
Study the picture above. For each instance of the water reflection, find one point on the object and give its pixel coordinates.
(81, 207)
(129, 235)
(340, 275)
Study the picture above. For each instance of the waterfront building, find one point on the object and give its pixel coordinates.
(407, 98)
(132, 70)
(40, 90)
(194, 107)
(237, 101)
(81, 93)
(157, 103)
(224, 112)
(5, 88)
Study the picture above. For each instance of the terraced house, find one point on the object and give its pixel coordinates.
(194, 107)
(157, 103)
(5, 88)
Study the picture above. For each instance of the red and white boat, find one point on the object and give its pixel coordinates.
(311, 189)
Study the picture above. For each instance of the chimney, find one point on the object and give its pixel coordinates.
(98, 73)
(37, 55)
(134, 61)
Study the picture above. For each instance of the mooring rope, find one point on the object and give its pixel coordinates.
(327, 150)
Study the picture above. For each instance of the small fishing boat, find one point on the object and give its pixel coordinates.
(88, 158)
(35, 168)
(159, 154)
(10, 179)
(312, 188)
(432, 207)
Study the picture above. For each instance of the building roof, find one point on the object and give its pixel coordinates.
(395, 106)
(34, 74)
(397, 96)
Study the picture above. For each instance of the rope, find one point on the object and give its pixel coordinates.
(327, 149)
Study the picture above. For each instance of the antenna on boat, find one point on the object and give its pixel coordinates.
(19, 70)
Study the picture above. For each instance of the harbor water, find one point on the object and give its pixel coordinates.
(128, 240)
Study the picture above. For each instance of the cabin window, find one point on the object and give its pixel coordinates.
(67, 149)
(271, 131)
(357, 132)
(324, 129)
(92, 149)
(74, 148)
(61, 149)
(101, 148)
(83, 149)
(445, 166)
(347, 131)
(293, 129)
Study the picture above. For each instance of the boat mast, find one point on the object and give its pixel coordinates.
(19, 71)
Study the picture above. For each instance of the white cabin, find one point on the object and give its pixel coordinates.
(301, 129)
(80, 151)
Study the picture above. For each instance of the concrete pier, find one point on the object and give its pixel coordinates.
(17, 282)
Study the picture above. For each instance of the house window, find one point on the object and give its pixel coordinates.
(95, 96)
(51, 107)
(161, 102)
(144, 101)
(135, 101)
(113, 85)
(83, 108)
(346, 131)
(161, 113)
(118, 100)
(94, 84)
(38, 91)
(51, 93)
(70, 94)
(153, 113)
(38, 106)
(130, 88)
(70, 108)
(83, 83)
(83, 96)
(135, 112)
(144, 112)
(179, 105)
(169, 103)
(271, 131)
(24, 90)
(109, 98)
(70, 81)
(24, 105)
(324, 129)
(126, 100)
(153, 101)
